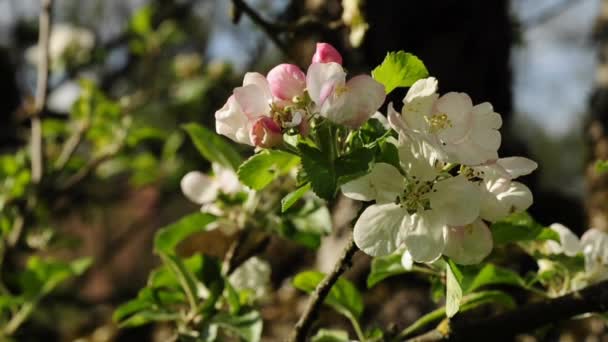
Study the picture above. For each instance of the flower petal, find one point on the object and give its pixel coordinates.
(470, 244)
(252, 100)
(320, 75)
(286, 81)
(407, 261)
(424, 235)
(377, 229)
(418, 103)
(457, 199)
(232, 122)
(198, 187)
(517, 166)
(382, 184)
(364, 96)
(497, 203)
(569, 243)
(257, 79)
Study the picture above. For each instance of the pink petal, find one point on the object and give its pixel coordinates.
(252, 100)
(321, 77)
(266, 133)
(326, 53)
(364, 96)
(286, 81)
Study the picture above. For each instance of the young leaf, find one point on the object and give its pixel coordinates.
(384, 267)
(43, 276)
(399, 69)
(261, 169)
(330, 335)
(601, 166)
(213, 147)
(520, 227)
(247, 326)
(343, 296)
(453, 291)
(495, 275)
(168, 237)
(293, 197)
(320, 171)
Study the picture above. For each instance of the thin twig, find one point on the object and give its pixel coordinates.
(461, 328)
(318, 296)
(269, 28)
(41, 90)
(70, 146)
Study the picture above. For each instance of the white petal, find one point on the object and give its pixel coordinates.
(517, 166)
(226, 179)
(458, 108)
(383, 184)
(407, 261)
(363, 97)
(395, 120)
(418, 103)
(232, 122)
(319, 75)
(424, 236)
(569, 243)
(422, 88)
(457, 199)
(470, 244)
(595, 247)
(252, 100)
(257, 79)
(198, 187)
(496, 204)
(377, 229)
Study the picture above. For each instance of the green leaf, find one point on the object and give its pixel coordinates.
(213, 147)
(168, 237)
(520, 227)
(354, 164)
(330, 335)
(601, 166)
(185, 277)
(247, 326)
(147, 317)
(477, 299)
(293, 197)
(495, 275)
(399, 69)
(320, 171)
(262, 168)
(43, 276)
(343, 296)
(453, 291)
(384, 267)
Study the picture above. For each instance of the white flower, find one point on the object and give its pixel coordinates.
(252, 276)
(415, 210)
(64, 38)
(500, 195)
(595, 248)
(347, 103)
(568, 244)
(468, 134)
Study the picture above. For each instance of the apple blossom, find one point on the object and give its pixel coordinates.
(286, 81)
(252, 276)
(468, 134)
(415, 210)
(349, 103)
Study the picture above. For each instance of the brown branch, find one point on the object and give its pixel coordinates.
(591, 299)
(41, 89)
(272, 30)
(318, 296)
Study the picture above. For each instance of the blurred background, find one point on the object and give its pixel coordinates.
(167, 63)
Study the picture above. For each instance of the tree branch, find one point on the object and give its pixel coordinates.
(318, 296)
(591, 299)
(41, 89)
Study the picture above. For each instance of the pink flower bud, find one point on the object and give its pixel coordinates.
(326, 53)
(265, 133)
(286, 81)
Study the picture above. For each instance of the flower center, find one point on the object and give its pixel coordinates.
(439, 122)
(414, 197)
(340, 89)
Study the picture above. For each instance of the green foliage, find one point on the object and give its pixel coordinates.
(601, 166)
(330, 335)
(248, 326)
(343, 296)
(264, 167)
(384, 267)
(399, 69)
(213, 147)
(168, 237)
(520, 227)
(293, 197)
(40, 276)
(320, 172)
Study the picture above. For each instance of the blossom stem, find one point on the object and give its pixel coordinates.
(318, 296)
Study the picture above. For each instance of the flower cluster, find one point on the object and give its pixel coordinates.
(558, 278)
(285, 100)
(449, 183)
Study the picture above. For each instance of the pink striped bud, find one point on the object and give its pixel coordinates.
(326, 53)
(265, 133)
